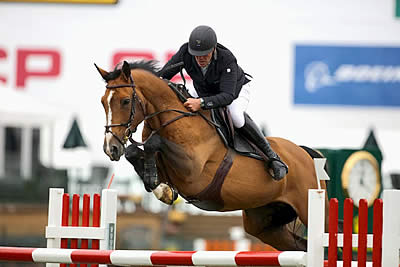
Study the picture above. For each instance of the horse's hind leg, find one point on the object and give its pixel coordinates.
(281, 238)
(270, 224)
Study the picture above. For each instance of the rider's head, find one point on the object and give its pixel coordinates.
(202, 41)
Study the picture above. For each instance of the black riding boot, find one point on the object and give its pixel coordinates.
(250, 131)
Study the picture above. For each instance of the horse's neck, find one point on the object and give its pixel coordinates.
(192, 132)
(159, 97)
(155, 91)
(186, 128)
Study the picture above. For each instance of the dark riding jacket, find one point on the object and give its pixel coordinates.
(222, 82)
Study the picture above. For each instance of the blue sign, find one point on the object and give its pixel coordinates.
(347, 75)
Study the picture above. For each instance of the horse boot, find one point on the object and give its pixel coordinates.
(135, 156)
(151, 178)
(250, 131)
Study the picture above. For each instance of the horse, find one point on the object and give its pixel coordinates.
(190, 152)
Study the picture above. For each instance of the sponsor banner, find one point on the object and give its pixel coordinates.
(347, 75)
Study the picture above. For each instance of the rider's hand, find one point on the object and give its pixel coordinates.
(192, 104)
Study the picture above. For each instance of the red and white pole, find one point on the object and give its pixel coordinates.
(152, 258)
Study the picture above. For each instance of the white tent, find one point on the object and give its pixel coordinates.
(20, 110)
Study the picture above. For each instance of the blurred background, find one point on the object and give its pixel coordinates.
(326, 75)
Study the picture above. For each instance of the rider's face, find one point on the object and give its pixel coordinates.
(203, 61)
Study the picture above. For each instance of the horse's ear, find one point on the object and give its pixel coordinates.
(126, 70)
(102, 72)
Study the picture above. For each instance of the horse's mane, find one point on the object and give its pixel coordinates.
(149, 65)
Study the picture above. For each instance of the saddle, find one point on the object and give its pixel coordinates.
(224, 126)
(229, 136)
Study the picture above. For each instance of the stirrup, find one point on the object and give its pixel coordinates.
(271, 170)
(278, 159)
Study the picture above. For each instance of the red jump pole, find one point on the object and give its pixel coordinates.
(64, 222)
(362, 232)
(85, 221)
(333, 230)
(75, 221)
(348, 232)
(96, 221)
(377, 231)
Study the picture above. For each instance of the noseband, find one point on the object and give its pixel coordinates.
(128, 131)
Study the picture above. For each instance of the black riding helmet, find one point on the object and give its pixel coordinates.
(202, 41)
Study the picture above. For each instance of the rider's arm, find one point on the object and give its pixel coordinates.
(167, 71)
(227, 86)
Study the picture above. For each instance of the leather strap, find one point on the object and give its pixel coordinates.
(213, 191)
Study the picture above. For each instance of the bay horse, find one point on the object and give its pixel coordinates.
(190, 152)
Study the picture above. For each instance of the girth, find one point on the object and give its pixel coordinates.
(210, 198)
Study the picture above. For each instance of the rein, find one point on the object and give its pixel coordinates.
(153, 132)
(183, 99)
(128, 124)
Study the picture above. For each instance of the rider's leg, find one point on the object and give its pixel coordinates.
(239, 106)
(249, 129)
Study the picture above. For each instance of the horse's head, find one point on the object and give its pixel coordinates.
(119, 104)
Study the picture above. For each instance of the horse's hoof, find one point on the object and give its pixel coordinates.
(165, 193)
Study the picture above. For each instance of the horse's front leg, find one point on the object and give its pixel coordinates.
(162, 191)
(135, 156)
(144, 162)
(150, 168)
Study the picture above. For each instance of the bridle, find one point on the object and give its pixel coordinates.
(128, 124)
(128, 131)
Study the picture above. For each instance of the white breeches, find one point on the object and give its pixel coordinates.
(237, 107)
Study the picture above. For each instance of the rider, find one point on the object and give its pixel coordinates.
(219, 81)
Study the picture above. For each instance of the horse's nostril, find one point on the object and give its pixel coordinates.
(114, 149)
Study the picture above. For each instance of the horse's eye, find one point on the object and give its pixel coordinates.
(126, 101)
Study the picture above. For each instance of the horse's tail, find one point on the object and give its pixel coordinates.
(315, 154)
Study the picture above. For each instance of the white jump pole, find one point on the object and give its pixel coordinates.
(108, 218)
(316, 226)
(54, 218)
(316, 218)
(391, 228)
